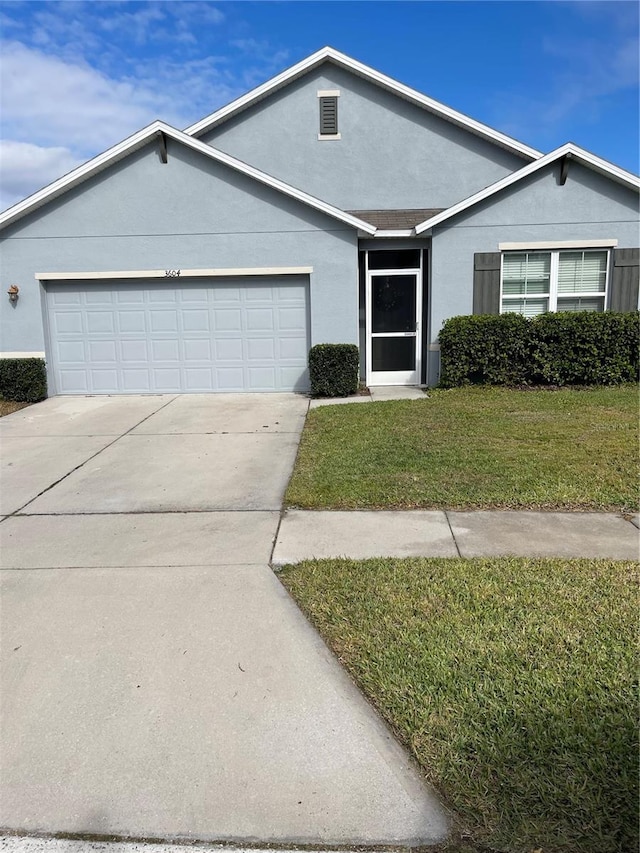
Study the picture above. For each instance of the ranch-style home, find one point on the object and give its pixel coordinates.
(330, 204)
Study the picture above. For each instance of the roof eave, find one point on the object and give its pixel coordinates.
(143, 137)
(570, 150)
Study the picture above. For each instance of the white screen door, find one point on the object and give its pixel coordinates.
(393, 333)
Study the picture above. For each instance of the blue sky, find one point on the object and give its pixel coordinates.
(76, 77)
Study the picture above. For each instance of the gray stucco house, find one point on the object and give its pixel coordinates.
(330, 204)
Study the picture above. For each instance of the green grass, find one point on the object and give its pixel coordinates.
(474, 448)
(512, 681)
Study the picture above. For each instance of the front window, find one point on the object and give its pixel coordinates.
(536, 282)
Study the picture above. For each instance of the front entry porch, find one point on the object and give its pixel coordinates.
(393, 315)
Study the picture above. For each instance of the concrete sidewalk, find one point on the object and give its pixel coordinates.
(422, 533)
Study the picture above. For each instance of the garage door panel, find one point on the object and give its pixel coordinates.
(144, 337)
(261, 319)
(196, 321)
(71, 352)
(230, 379)
(104, 381)
(225, 293)
(67, 322)
(292, 349)
(133, 350)
(261, 378)
(136, 380)
(130, 296)
(227, 320)
(102, 351)
(163, 321)
(165, 350)
(259, 349)
(197, 350)
(229, 349)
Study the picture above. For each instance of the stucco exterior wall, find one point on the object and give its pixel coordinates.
(189, 213)
(392, 154)
(588, 207)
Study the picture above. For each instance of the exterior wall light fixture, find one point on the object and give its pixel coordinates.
(13, 292)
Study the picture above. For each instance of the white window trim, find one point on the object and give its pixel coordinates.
(552, 294)
(558, 244)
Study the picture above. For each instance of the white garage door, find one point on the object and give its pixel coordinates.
(136, 337)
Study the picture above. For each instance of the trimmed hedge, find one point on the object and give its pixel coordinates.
(23, 380)
(334, 370)
(581, 348)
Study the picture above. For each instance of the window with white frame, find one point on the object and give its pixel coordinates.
(536, 282)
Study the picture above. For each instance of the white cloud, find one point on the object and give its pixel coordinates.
(25, 165)
(52, 102)
(77, 77)
(57, 106)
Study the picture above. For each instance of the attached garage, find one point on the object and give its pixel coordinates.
(203, 334)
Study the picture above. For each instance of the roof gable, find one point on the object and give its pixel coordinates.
(569, 150)
(329, 54)
(156, 130)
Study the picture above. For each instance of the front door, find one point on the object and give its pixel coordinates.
(393, 334)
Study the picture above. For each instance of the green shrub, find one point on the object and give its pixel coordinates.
(582, 348)
(334, 370)
(484, 350)
(23, 380)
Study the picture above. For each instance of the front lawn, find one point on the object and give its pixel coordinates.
(474, 448)
(511, 681)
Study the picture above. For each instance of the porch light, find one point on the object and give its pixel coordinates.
(13, 292)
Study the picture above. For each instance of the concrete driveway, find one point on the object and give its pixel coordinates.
(157, 681)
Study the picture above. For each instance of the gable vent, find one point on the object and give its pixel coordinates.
(328, 116)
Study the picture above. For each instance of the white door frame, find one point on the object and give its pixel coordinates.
(395, 377)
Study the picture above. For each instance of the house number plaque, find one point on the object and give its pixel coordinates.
(171, 273)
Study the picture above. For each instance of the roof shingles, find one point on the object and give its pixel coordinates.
(396, 219)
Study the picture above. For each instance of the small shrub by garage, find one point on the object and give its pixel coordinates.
(581, 348)
(334, 370)
(23, 380)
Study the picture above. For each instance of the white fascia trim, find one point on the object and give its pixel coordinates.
(144, 136)
(171, 275)
(257, 93)
(569, 149)
(21, 355)
(368, 73)
(560, 244)
(390, 232)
